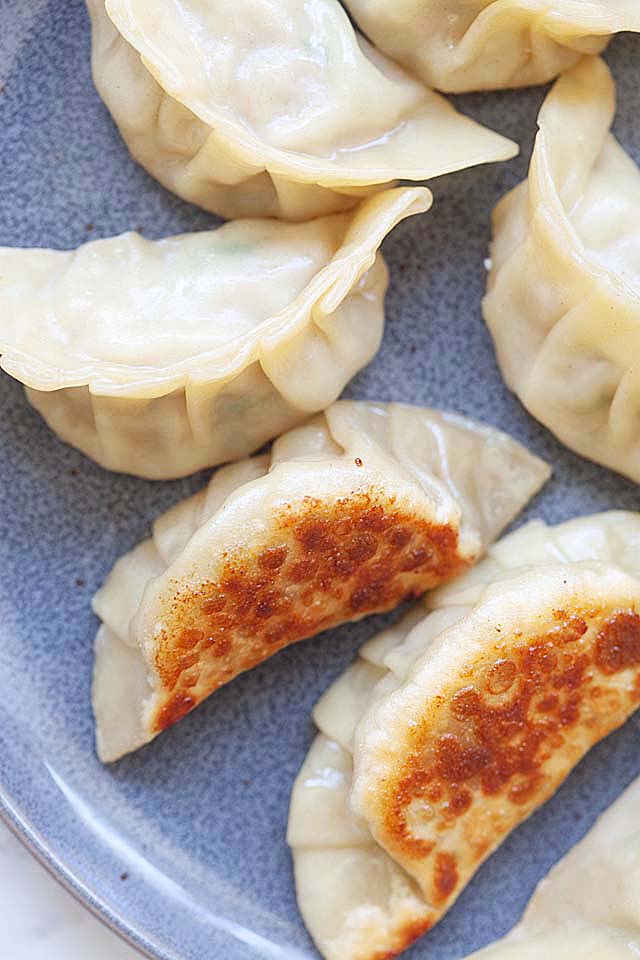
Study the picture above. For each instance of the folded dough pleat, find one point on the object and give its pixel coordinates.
(348, 515)
(454, 726)
(159, 358)
(257, 109)
(563, 297)
(458, 45)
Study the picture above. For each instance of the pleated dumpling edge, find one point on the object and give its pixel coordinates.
(255, 110)
(159, 358)
(563, 297)
(346, 516)
(458, 47)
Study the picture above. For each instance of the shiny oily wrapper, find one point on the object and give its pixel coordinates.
(159, 358)
(253, 108)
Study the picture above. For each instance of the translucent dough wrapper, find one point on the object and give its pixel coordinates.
(463, 45)
(159, 358)
(256, 109)
(563, 298)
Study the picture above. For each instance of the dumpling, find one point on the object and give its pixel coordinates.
(454, 726)
(462, 45)
(583, 943)
(253, 108)
(588, 908)
(563, 301)
(161, 358)
(347, 515)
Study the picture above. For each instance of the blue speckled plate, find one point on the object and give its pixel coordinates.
(181, 847)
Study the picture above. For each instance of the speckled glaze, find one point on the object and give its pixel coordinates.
(181, 847)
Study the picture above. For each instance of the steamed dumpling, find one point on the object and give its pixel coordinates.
(563, 303)
(462, 45)
(255, 108)
(588, 908)
(347, 515)
(161, 358)
(454, 726)
(585, 943)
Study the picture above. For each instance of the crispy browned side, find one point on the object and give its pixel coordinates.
(510, 730)
(402, 939)
(325, 564)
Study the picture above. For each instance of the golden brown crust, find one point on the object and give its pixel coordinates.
(381, 941)
(496, 744)
(324, 564)
(402, 939)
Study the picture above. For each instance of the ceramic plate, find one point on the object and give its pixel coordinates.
(181, 846)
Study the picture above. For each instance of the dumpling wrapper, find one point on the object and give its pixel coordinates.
(259, 109)
(348, 515)
(463, 45)
(448, 732)
(588, 908)
(159, 358)
(563, 299)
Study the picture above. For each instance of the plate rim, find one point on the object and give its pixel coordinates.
(34, 842)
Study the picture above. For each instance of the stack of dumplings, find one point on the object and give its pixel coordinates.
(161, 358)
